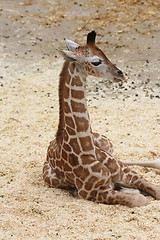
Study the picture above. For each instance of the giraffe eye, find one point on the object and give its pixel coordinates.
(97, 63)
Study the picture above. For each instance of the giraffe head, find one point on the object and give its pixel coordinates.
(91, 59)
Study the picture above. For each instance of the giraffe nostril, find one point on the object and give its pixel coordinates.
(119, 72)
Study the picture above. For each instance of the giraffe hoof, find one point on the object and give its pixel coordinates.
(138, 200)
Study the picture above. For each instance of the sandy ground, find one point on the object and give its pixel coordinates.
(129, 115)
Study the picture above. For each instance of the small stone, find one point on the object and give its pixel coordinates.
(96, 107)
(113, 235)
(151, 96)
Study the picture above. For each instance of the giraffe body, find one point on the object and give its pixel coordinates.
(77, 157)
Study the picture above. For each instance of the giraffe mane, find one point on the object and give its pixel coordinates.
(62, 79)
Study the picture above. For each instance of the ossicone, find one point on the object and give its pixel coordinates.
(91, 37)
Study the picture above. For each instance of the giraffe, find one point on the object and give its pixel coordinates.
(78, 157)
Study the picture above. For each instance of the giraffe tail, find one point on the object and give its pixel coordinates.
(152, 164)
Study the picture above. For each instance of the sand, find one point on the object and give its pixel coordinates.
(129, 115)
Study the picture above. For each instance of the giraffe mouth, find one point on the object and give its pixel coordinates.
(119, 79)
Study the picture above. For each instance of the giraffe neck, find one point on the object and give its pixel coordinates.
(74, 125)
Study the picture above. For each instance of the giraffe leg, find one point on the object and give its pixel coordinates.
(50, 176)
(127, 199)
(121, 174)
(130, 178)
(103, 142)
(110, 196)
(98, 187)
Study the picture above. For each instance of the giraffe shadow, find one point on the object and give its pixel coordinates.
(73, 192)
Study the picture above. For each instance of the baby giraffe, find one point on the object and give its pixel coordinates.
(78, 157)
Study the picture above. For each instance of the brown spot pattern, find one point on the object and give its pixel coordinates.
(76, 81)
(59, 164)
(66, 137)
(66, 108)
(78, 107)
(81, 123)
(52, 163)
(99, 183)
(70, 131)
(93, 179)
(77, 94)
(81, 172)
(88, 186)
(100, 155)
(67, 168)
(135, 178)
(73, 160)
(64, 154)
(61, 173)
(86, 143)
(67, 147)
(69, 122)
(115, 177)
(87, 159)
(70, 177)
(93, 193)
(79, 183)
(112, 165)
(75, 146)
(126, 170)
(97, 167)
(83, 194)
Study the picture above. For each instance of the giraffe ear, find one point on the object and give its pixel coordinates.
(71, 45)
(91, 37)
(68, 55)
